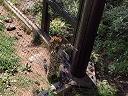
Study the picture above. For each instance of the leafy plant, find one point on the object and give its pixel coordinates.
(112, 41)
(23, 82)
(58, 26)
(27, 68)
(8, 58)
(37, 8)
(5, 83)
(105, 89)
(1, 1)
(72, 6)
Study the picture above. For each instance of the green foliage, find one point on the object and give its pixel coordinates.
(8, 58)
(26, 68)
(16, 2)
(1, 1)
(58, 26)
(72, 6)
(37, 8)
(8, 82)
(105, 89)
(112, 41)
(119, 68)
(50, 93)
(4, 83)
(23, 82)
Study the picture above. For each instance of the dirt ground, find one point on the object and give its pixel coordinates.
(35, 55)
(29, 54)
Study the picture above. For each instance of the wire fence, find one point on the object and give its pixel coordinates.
(30, 55)
(59, 28)
(63, 19)
(31, 8)
(63, 16)
(61, 25)
(16, 49)
(58, 24)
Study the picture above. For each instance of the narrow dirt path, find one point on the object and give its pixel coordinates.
(29, 54)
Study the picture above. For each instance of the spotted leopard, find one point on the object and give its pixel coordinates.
(53, 67)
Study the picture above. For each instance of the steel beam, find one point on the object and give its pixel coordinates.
(90, 19)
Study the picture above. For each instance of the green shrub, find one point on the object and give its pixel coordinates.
(37, 8)
(112, 41)
(105, 89)
(71, 6)
(8, 58)
(58, 26)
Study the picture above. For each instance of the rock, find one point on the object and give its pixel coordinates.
(45, 60)
(37, 83)
(36, 58)
(46, 65)
(44, 93)
(19, 34)
(10, 27)
(8, 20)
(52, 88)
(91, 71)
(31, 59)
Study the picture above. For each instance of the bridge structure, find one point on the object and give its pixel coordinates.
(86, 25)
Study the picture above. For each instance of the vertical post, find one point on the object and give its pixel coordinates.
(79, 14)
(80, 11)
(45, 23)
(90, 19)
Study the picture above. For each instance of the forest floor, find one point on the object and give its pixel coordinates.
(32, 80)
(30, 56)
(29, 82)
